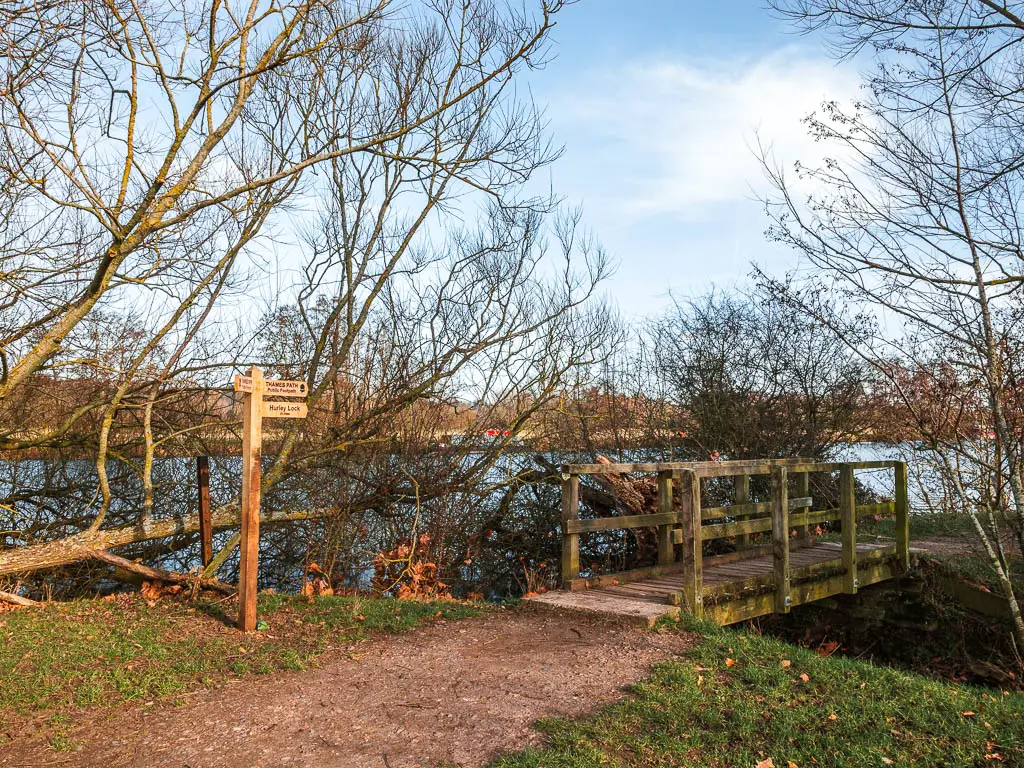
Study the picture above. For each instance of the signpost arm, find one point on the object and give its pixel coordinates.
(252, 454)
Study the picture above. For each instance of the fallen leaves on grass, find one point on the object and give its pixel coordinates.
(151, 591)
(318, 585)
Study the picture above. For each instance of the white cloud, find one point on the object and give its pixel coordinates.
(678, 137)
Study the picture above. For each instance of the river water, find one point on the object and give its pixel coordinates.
(48, 500)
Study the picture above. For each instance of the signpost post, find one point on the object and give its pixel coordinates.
(254, 409)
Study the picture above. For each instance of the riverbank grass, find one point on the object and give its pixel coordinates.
(956, 530)
(89, 652)
(742, 700)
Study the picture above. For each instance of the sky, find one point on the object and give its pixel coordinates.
(660, 105)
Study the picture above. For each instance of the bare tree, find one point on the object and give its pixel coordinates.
(755, 377)
(150, 156)
(918, 216)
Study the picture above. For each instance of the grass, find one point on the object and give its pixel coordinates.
(978, 568)
(778, 702)
(91, 652)
(967, 565)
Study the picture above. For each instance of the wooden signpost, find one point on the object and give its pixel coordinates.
(254, 409)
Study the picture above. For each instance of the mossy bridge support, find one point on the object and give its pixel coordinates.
(757, 578)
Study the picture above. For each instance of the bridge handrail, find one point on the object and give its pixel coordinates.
(725, 468)
(685, 524)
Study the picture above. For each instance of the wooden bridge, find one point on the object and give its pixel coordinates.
(753, 580)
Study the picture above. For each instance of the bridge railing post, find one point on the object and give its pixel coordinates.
(570, 541)
(902, 514)
(780, 539)
(666, 549)
(848, 520)
(802, 489)
(741, 495)
(690, 517)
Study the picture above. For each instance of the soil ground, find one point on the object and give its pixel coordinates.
(452, 694)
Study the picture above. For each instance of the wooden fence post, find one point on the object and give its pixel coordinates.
(570, 541)
(902, 514)
(741, 495)
(802, 489)
(689, 516)
(205, 522)
(848, 520)
(252, 455)
(780, 538)
(666, 550)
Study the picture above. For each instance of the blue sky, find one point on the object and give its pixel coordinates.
(659, 105)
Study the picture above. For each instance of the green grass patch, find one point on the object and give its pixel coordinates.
(966, 565)
(90, 652)
(787, 704)
(978, 568)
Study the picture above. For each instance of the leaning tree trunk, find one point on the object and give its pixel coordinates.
(81, 546)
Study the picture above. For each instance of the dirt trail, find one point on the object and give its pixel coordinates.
(456, 693)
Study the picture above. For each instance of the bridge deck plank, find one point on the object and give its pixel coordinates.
(661, 590)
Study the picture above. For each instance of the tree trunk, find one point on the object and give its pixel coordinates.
(9, 597)
(81, 546)
(159, 574)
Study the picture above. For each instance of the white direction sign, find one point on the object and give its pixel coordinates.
(284, 410)
(284, 388)
(278, 387)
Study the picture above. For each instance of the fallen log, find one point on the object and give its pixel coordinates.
(634, 496)
(159, 574)
(80, 546)
(637, 495)
(10, 597)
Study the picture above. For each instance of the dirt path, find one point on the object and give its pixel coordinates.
(945, 546)
(458, 693)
